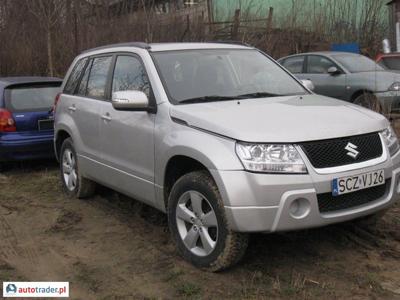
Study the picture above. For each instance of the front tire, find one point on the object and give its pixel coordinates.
(369, 101)
(198, 224)
(73, 183)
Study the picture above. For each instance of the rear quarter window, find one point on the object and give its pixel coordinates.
(38, 97)
(75, 76)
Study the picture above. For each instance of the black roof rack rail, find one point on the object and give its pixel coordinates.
(132, 44)
(233, 42)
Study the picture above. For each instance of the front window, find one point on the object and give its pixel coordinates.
(319, 64)
(130, 75)
(357, 63)
(222, 74)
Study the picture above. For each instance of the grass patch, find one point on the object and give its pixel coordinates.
(188, 290)
(174, 274)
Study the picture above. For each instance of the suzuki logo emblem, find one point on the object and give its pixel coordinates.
(352, 150)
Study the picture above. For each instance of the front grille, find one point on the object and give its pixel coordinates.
(332, 153)
(329, 203)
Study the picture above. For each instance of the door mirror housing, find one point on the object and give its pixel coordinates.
(334, 71)
(130, 100)
(308, 84)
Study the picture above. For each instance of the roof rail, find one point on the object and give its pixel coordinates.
(233, 42)
(132, 44)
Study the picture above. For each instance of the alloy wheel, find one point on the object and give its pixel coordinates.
(197, 223)
(69, 170)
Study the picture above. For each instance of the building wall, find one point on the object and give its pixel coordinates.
(305, 11)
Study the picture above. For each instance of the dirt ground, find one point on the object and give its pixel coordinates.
(111, 247)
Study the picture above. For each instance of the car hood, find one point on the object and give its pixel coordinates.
(288, 119)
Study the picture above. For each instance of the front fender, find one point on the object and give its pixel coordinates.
(213, 151)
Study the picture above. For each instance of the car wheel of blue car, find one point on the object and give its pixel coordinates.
(73, 183)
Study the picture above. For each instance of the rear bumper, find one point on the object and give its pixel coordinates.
(26, 146)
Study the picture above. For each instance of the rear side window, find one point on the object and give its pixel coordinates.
(97, 82)
(129, 74)
(294, 64)
(31, 98)
(74, 77)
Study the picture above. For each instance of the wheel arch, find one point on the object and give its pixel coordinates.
(60, 137)
(176, 167)
(360, 92)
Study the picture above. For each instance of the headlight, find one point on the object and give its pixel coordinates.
(395, 87)
(268, 158)
(391, 140)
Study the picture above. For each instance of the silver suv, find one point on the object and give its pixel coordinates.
(222, 139)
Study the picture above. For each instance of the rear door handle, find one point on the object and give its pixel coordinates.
(72, 108)
(106, 117)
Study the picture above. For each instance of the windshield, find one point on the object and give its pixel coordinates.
(357, 63)
(391, 63)
(220, 74)
(35, 98)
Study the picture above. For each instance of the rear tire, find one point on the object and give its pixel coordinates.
(369, 101)
(198, 225)
(74, 184)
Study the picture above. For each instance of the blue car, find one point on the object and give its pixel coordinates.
(26, 118)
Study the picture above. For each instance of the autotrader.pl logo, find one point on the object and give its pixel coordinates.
(41, 289)
(11, 288)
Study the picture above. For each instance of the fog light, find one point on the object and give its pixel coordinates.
(300, 208)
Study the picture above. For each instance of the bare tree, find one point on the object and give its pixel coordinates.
(48, 14)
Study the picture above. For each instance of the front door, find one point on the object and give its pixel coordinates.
(127, 137)
(331, 85)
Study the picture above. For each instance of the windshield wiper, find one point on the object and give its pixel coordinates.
(208, 99)
(257, 95)
(225, 98)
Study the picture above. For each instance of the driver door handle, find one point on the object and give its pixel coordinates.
(106, 117)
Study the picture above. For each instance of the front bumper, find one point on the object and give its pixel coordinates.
(26, 146)
(264, 202)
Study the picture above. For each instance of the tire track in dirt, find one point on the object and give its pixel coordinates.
(8, 247)
(17, 249)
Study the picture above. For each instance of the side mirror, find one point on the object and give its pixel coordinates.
(308, 84)
(130, 100)
(334, 71)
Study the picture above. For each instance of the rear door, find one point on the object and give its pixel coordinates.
(30, 105)
(82, 103)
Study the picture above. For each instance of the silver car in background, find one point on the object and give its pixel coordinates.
(222, 139)
(350, 77)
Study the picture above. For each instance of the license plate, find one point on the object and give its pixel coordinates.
(355, 183)
(47, 124)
